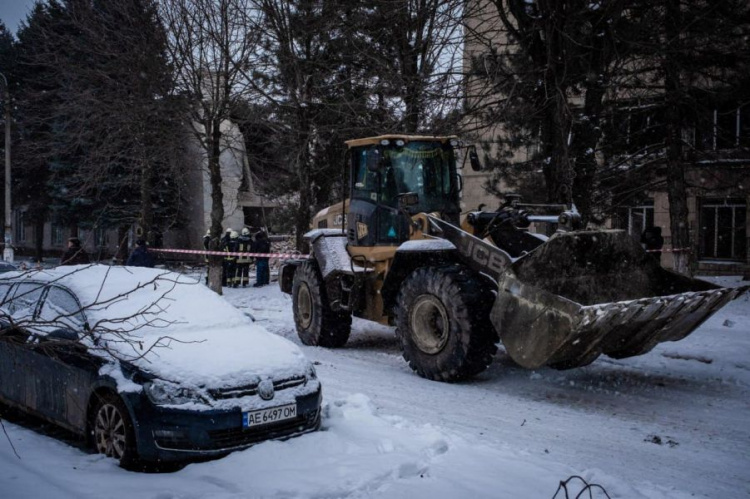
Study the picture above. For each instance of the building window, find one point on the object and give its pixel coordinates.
(100, 237)
(723, 229)
(723, 127)
(20, 225)
(645, 129)
(58, 235)
(635, 219)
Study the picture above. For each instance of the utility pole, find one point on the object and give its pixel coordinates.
(8, 251)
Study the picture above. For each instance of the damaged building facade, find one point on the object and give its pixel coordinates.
(715, 160)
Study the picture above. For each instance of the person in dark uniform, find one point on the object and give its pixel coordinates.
(224, 246)
(206, 246)
(141, 256)
(230, 261)
(207, 242)
(75, 254)
(652, 241)
(262, 272)
(243, 262)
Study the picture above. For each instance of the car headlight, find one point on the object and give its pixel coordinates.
(166, 393)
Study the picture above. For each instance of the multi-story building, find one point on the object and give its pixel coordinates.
(716, 160)
(243, 205)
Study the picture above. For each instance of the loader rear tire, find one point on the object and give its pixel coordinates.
(443, 323)
(317, 324)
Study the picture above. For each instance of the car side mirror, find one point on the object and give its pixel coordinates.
(62, 335)
(476, 165)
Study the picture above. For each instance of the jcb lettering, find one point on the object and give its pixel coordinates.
(480, 255)
(496, 263)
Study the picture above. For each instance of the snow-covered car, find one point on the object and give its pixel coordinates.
(149, 365)
(6, 267)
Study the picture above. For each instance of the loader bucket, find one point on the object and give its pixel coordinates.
(583, 294)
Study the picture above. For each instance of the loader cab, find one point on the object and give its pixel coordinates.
(383, 169)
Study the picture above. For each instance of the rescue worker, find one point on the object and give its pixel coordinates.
(207, 242)
(141, 256)
(206, 246)
(652, 241)
(225, 238)
(224, 246)
(75, 254)
(230, 261)
(262, 272)
(243, 262)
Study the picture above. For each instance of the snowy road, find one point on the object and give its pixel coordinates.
(673, 423)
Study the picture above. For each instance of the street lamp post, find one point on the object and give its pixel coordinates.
(8, 251)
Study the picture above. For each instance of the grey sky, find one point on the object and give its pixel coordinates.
(12, 12)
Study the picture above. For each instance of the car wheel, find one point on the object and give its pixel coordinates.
(316, 323)
(443, 323)
(112, 430)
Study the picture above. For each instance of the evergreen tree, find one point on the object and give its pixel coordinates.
(99, 89)
(8, 70)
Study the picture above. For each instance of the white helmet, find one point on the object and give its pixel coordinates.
(245, 231)
(234, 234)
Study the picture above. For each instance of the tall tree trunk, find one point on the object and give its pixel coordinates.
(147, 211)
(122, 243)
(39, 239)
(213, 137)
(413, 87)
(302, 222)
(586, 134)
(561, 190)
(676, 186)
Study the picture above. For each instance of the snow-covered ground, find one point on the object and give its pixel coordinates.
(674, 423)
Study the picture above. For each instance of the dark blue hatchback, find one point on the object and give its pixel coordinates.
(148, 365)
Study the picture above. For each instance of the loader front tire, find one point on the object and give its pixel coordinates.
(317, 324)
(443, 323)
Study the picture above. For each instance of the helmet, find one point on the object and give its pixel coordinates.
(208, 232)
(245, 231)
(234, 234)
(229, 230)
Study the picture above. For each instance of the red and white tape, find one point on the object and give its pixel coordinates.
(669, 250)
(233, 253)
(283, 256)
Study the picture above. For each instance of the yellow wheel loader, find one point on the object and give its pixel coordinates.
(396, 252)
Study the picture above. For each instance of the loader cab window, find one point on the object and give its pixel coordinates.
(365, 181)
(381, 172)
(425, 168)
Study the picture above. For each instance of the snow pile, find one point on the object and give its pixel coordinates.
(427, 245)
(358, 453)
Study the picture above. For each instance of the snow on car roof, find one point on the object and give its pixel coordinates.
(133, 291)
(186, 331)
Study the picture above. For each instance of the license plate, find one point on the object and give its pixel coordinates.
(267, 416)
